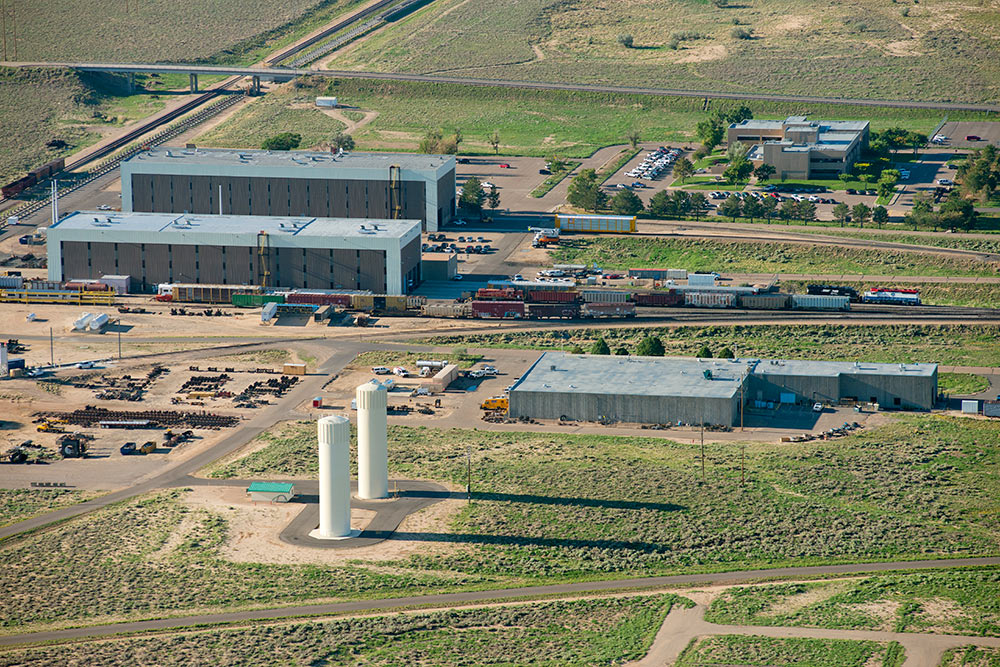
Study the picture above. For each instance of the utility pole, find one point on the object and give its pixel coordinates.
(52, 349)
(468, 473)
(119, 345)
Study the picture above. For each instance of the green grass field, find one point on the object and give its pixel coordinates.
(952, 345)
(535, 122)
(609, 631)
(971, 656)
(761, 257)
(963, 602)
(869, 49)
(40, 106)
(962, 384)
(20, 504)
(749, 651)
(545, 508)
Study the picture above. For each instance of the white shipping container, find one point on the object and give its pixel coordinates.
(970, 407)
(15, 282)
(701, 279)
(820, 302)
(710, 299)
(326, 102)
(268, 312)
(605, 296)
(120, 284)
(677, 274)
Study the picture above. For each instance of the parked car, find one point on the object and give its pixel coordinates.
(545, 171)
(457, 276)
(488, 185)
(380, 370)
(973, 137)
(817, 407)
(852, 191)
(504, 165)
(459, 222)
(85, 364)
(517, 276)
(462, 160)
(944, 181)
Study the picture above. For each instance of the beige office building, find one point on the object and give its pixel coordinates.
(799, 148)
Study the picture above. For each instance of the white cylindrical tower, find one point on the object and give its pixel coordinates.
(334, 434)
(373, 448)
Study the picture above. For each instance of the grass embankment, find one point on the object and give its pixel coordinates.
(868, 50)
(962, 602)
(585, 632)
(962, 384)
(896, 234)
(545, 508)
(20, 504)
(762, 257)
(749, 651)
(951, 345)
(539, 123)
(971, 656)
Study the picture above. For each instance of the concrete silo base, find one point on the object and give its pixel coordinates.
(316, 536)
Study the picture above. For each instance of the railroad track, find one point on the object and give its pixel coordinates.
(112, 163)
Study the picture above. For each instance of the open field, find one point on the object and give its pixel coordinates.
(606, 631)
(162, 31)
(772, 652)
(971, 656)
(39, 106)
(961, 602)
(545, 508)
(19, 504)
(869, 49)
(953, 345)
(531, 122)
(976, 295)
(959, 384)
(898, 235)
(701, 255)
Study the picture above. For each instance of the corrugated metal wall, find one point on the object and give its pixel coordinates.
(626, 408)
(75, 258)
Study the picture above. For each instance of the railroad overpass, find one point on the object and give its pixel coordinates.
(259, 74)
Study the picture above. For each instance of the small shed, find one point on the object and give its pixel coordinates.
(271, 492)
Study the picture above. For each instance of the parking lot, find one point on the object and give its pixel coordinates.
(514, 183)
(988, 133)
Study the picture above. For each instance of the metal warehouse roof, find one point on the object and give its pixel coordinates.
(232, 157)
(635, 376)
(270, 487)
(235, 224)
(835, 368)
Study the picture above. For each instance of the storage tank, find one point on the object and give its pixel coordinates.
(98, 322)
(81, 323)
(334, 435)
(373, 454)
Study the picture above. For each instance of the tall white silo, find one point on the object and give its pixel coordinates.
(373, 448)
(334, 435)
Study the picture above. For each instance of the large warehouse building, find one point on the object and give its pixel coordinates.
(299, 183)
(317, 253)
(667, 389)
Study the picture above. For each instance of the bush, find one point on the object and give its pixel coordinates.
(905, 11)
(285, 141)
(600, 346)
(626, 41)
(705, 352)
(576, 349)
(742, 33)
(650, 346)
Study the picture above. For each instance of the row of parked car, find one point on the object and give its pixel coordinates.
(655, 163)
(477, 249)
(815, 199)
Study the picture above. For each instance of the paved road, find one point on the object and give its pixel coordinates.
(683, 625)
(281, 73)
(447, 600)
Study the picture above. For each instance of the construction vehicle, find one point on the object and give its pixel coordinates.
(72, 446)
(127, 448)
(148, 447)
(495, 403)
(50, 426)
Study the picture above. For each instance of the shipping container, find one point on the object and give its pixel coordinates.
(659, 274)
(193, 293)
(820, 302)
(43, 285)
(323, 314)
(991, 408)
(764, 301)
(414, 302)
(537, 311)
(498, 309)
(605, 296)
(662, 298)
(294, 369)
(319, 299)
(120, 284)
(616, 224)
(601, 310)
(15, 282)
(701, 280)
(710, 299)
(446, 310)
(255, 300)
(501, 294)
(363, 301)
(550, 296)
(393, 303)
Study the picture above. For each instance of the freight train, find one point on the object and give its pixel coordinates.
(34, 176)
(892, 296)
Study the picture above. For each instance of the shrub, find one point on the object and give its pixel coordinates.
(742, 33)
(285, 141)
(626, 41)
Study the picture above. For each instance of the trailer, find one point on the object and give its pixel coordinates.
(717, 299)
(607, 310)
(613, 224)
(659, 274)
(498, 309)
(658, 299)
(544, 311)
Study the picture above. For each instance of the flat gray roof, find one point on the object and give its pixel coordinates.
(186, 223)
(643, 376)
(835, 368)
(792, 121)
(291, 159)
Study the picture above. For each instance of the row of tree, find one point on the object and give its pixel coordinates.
(474, 196)
(650, 346)
(979, 176)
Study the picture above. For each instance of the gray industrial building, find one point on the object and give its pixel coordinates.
(314, 253)
(668, 389)
(298, 183)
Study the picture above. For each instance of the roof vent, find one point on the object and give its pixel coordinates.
(552, 367)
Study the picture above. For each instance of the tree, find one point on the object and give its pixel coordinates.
(285, 141)
(621, 351)
(845, 178)
(576, 349)
(726, 353)
(626, 202)
(887, 182)
(659, 204)
(493, 199)
(600, 346)
(585, 191)
(342, 141)
(880, 215)
(770, 205)
(736, 151)
(494, 141)
(680, 203)
(556, 164)
(705, 352)
(958, 211)
(738, 171)
(805, 210)
(788, 210)
(699, 204)
(764, 172)
(632, 137)
(916, 140)
(841, 212)
(626, 40)
(742, 33)
(861, 213)
(710, 133)
(472, 195)
(431, 141)
(922, 203)
(753, 208)
(650, 346)
(731, 207)
(683, 169)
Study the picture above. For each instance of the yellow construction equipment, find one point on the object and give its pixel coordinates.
(50, 427)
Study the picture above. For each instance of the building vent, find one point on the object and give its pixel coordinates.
(552, 367)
